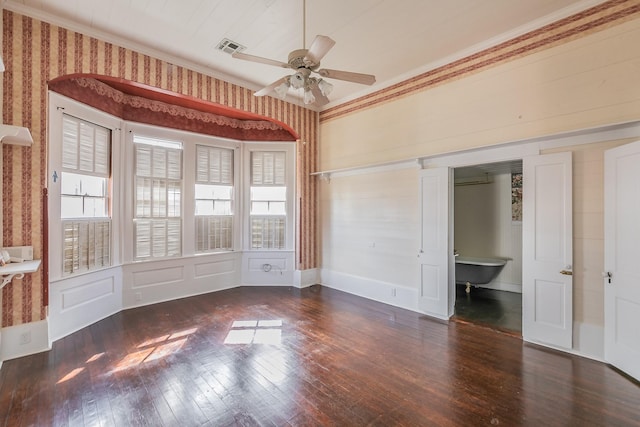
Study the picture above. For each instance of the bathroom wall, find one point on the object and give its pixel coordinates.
(484, 228)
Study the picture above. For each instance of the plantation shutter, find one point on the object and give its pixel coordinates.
(86, 243)
(158, 226)
(268, 168)
(214, 165)
(85, 147)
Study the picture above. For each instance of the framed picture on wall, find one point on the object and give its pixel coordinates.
(516, 197)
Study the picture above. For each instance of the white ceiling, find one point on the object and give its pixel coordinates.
(392, 39)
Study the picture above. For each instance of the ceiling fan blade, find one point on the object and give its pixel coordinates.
(261, 60)
(365, 79)
(318, 49)
(271, 87)
(320, 98)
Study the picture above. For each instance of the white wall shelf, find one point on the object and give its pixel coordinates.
(15, 135)
(17, 270)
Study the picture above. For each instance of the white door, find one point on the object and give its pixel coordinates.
(621, 258)
(547, 285)
(436, 296)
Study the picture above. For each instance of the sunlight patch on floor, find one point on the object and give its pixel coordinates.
(255, 332)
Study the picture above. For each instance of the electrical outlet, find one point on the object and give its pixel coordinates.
(25, 338)
(138, 296)
(393, 292)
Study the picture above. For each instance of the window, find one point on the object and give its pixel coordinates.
(158, 205)
(268, 200)
(85, 195)
(214, 199)
(122, 193)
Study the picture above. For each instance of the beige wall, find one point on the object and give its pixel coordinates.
(369, 225)
(585, 82)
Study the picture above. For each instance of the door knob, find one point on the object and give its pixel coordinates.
(566, 272)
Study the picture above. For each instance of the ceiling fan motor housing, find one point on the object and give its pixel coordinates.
(297, 60)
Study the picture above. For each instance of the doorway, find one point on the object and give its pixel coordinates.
(547, 245)
(488, 245)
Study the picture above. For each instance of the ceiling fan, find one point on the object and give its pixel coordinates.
(305, 62)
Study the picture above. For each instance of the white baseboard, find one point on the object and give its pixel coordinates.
(588, 340)
(385, 292)
(306, 278)
(24, 340)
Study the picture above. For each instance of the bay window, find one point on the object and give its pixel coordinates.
(124, 192)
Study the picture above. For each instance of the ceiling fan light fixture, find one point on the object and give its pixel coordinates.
(308, 96)
(298, 80)
(282, 89)
(325, 87)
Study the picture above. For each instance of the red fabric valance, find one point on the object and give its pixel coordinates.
(141, 103)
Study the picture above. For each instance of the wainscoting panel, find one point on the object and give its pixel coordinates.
(81, 300)
(85, 294)
(268, 268)
(258, 264)
(152, 282)
(157, 276)
(211, 269)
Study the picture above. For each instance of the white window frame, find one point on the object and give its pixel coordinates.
(58, 106)
(291, 202)
(208, 180)
(122, 190)
(151, 132)
(194, 140)
(160, 213)
(189, 141)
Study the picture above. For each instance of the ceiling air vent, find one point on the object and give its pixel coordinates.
(229, 46)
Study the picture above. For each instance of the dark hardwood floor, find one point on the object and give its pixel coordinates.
(501, 310)
(283, 356)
